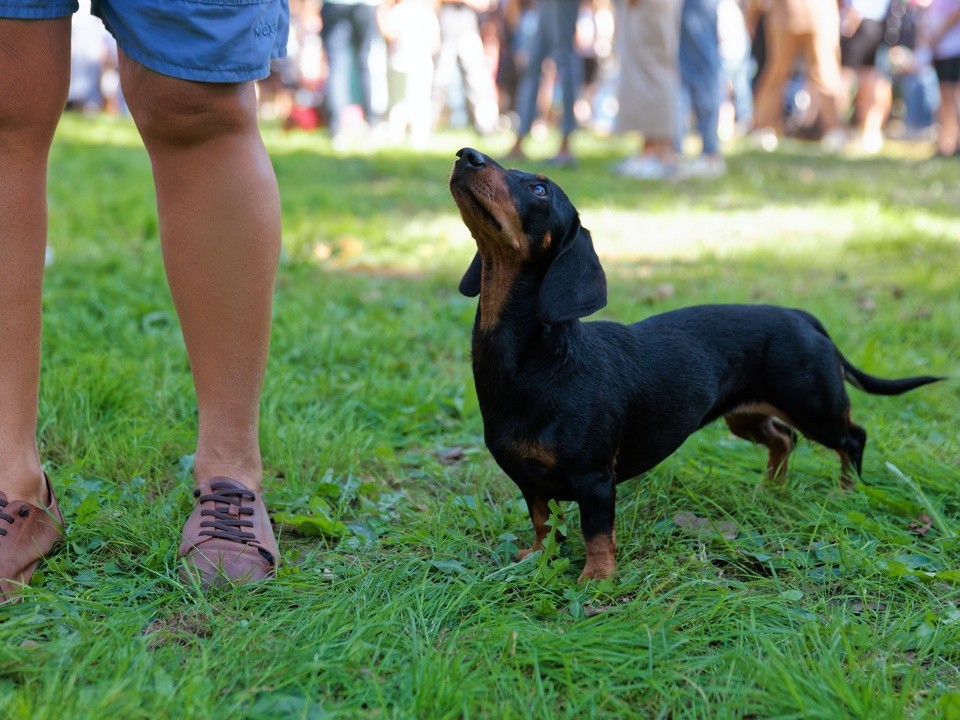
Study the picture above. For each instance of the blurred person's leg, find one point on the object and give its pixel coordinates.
(921, 94)
(569, 71)
(700, 69)
(737, 74)
(874, 100)
(336, 36)
(529, 86)
(948, 76)
(862, 80)
(365, 33)
(648, 42)
(478, 87)
(417, 99)
(447, 69)
(822, 52)
(397, 110)
(948, 142)
(33, 92)
(781, 50)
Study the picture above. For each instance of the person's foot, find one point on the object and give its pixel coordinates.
(947, 152)
(27, 534)
(834, 140)
(228, 540)
(765, 138)
(563, 160)
(870, 143)
(645, 167)
(703, 166)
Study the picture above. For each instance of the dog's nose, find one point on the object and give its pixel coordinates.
(471, 158)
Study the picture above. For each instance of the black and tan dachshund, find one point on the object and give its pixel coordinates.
(570, 409)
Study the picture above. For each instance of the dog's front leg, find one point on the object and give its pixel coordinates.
(596, 496)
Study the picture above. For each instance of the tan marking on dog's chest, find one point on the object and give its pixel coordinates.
(495, 285)
(501, 266)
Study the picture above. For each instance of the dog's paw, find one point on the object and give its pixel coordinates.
(598, 569)
(595, 575)
(522, 554)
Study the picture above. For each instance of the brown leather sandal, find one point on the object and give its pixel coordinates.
(228, 540)
(27, 534)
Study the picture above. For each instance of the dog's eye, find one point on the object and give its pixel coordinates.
(539, 190)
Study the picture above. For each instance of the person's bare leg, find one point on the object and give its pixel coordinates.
(948, 141)
(768, 102)
(659, 148)
(219, 211)
(33, 91)
(874, 103)
(822, 51)
(850, 95)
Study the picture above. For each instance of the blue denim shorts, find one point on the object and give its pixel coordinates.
(225, 41)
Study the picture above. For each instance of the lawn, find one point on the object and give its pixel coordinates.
(398, 595)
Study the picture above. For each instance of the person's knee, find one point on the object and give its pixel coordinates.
(28, 120)
(33, 87)
(171, 112)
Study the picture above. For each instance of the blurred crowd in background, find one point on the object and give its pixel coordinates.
(849, 74)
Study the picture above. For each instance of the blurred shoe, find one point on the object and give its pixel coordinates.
(27, 534)
(871, 143)
(703, 166)
(645, 167)
(834, 140)
(562, 160)
(908, 133)
(944, 155)
(764, 138)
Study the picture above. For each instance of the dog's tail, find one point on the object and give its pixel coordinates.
(882, 386)
(866, 382)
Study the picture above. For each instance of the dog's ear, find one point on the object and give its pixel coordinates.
(575, 285)
(470, 283)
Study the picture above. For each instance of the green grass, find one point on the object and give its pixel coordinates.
(398, 596)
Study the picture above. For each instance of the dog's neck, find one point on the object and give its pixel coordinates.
(508, 297)
(507, 327)
(502, 284)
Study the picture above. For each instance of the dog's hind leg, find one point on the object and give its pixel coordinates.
(763, 429)
(851, 455)
(839, 433)
(539, 515)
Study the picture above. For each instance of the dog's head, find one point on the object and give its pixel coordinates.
(525, 223)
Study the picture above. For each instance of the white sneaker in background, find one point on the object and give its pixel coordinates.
(645, 167)
(834, 140)
(764, 138)
(703, 166)
(871, 143)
